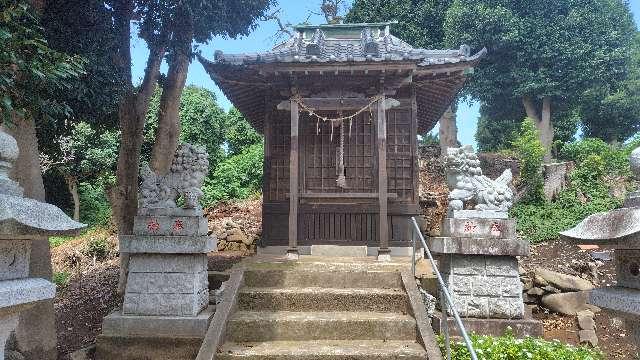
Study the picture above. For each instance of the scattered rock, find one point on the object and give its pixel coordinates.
(564, 282)
(527, 283)
(84, 354)
(586, 321)
(588, 337)
(536, 291)
(566, 303)
(551, 289)
(539, 280)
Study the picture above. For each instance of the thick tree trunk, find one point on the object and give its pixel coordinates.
(542, 121)
(546, 128)
(132, 114)
(72, 185)
(448, 131)
(168, 132)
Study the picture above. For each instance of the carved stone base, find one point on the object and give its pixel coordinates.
(494, 327)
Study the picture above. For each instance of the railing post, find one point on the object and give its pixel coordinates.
(444, 323)
(444, 295)
(413, 244)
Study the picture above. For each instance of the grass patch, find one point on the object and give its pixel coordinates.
(508, 347)
(61, 278)
(56, 241)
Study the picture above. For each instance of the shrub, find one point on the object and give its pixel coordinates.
(615, 159)
(588, 191)
(508, 347)
(529, 150)
(61, 279)
(237, 177)
(95, 209)
(97, 247)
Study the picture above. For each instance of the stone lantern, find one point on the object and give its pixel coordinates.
(22, 221)
(619, 230)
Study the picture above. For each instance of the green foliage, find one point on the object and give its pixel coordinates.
(420, 22)
(530, 152)
(546, 49)
(61, 278)
(508, 347)
(95, 209)
(237, 177)
(29, 69)
(597, 165)
(429, 139)
(166, 22)
(97, 247)
(591, 151)
(94, 97)
(87, 152)
(537, 48)
(240, 134)
(202, 121)
(56, 241)
(612, 111)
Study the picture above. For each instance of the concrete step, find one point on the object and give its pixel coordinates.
(329, 279)
(249, 326)
(324, 299)
(321, 350)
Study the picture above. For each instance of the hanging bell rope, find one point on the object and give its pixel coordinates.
(314, 113)
(341, 181)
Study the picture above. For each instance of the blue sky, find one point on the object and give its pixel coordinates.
(294, 11)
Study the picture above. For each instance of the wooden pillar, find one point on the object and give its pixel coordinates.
(384, 253)
(292, 252)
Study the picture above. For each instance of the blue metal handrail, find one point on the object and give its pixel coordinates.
(445, 298)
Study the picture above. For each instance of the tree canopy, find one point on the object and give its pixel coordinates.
(30, 70)
(420, 22)
(543, 53)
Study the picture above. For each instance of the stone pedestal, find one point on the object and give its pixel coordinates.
(477, 259)
(167, 292)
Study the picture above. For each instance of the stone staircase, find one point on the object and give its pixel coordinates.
(322, 311)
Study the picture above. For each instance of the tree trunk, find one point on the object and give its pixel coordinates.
(530, 109)
(448, 131)
(132, 113)
(542, 121)
(72, 185)
(546, 128)
(168, 132)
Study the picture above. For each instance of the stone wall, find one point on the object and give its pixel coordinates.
(484, 286)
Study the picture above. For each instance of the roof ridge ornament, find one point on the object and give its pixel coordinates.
(316, 44)
(369, 45)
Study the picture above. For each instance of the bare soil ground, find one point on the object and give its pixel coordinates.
(614, 340)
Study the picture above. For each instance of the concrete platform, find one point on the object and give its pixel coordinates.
(119, 325)
(494, 327)
(144, 348)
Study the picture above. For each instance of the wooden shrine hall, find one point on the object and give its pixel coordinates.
(340, 107)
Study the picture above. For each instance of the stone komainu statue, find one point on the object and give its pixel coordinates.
(188, 170)
(467, 184)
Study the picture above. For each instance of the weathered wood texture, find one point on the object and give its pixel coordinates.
(328, 214)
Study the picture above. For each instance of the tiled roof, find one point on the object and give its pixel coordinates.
(347, 43)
